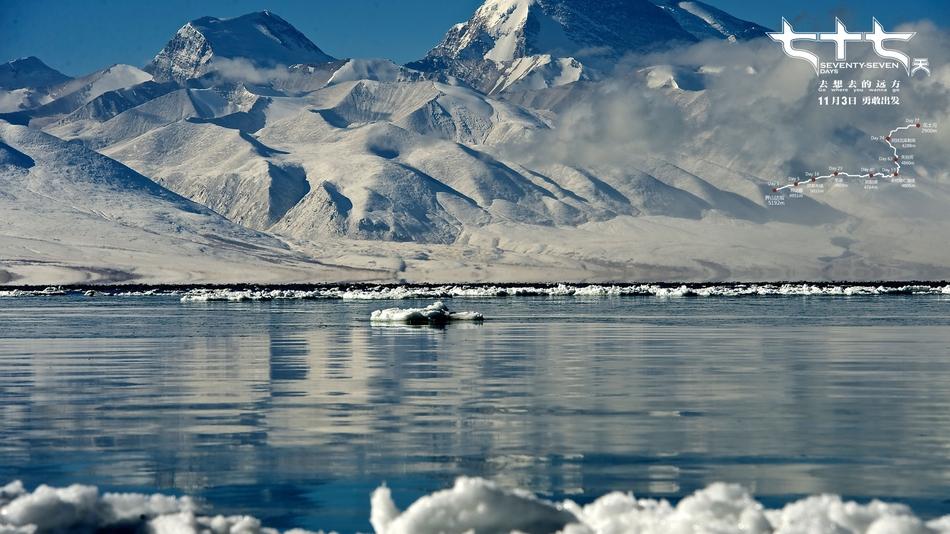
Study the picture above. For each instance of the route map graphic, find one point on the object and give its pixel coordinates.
(890, 167)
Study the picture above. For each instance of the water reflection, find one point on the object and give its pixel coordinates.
(295, 411)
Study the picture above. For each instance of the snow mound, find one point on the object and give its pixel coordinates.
(475, 505)
(437, 313)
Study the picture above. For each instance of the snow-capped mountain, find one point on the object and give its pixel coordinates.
(506, 151)
(504, 30)
(534, 44)
(29, 72)
(26, 83)
(704, 21)
(261, 39)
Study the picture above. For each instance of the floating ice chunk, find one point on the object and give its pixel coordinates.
(80, 508)
(480, 506)
(437, 313)
(473, 505)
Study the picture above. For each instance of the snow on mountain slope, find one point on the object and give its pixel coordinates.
(29, 72)
(538, 72)
(261, 39)
(73, 215)
(182, 104)
(26, 83)
(531, 44)
(400, 161)
(504, 30)
(362, 159)
(544, 43)
(111, 103)
(377, 70)
(73, 94)
(704, 21)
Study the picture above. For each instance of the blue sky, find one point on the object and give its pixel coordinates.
(77, 37)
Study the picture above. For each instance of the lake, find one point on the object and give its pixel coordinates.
(295, 410)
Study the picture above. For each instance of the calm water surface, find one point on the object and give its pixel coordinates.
(295, 411)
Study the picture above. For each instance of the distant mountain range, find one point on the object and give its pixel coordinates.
(242, 143)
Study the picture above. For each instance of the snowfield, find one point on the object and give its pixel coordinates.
(473, 505)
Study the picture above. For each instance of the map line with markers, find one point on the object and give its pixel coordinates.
(836, 174)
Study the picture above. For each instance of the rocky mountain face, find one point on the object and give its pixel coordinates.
(29, 72)
(26, 83)
(260, 39)
(534, 44)
(504, 30)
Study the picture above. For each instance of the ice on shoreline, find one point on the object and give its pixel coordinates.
(437, 313)
(563, 290)
(449, 291)
(473, 505)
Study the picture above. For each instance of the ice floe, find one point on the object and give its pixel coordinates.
(437, 313)
(473, 505)
(79, 508)
(476, 505)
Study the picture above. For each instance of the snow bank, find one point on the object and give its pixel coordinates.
(481, 506)
(437, 313)
(473, 505)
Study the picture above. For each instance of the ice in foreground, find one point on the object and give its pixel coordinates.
(473, 505)
(437, 313)
(476, 505)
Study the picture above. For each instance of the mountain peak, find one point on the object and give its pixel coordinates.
(29, 72)
(262, 38)
(504, 30)
(705, 21)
